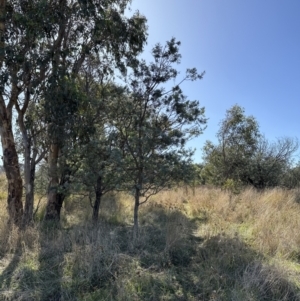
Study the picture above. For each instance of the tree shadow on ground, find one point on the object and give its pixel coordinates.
(95, 262)
(169, 262)
(166, 237)
(5, 235)
(36, 268)
(7, 275)
(54, 244)
(214, 268)
(225, 268)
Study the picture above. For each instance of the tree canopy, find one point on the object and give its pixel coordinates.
(58, 61)
(243, 155)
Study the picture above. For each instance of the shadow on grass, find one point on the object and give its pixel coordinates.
(36, 269)
(168, 263)
(7, 275)
(112, 210)
(220, 268)
(51, 259)
(225, 268)
(166, 238)
(177, 265)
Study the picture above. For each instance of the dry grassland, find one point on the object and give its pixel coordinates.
(195, 244)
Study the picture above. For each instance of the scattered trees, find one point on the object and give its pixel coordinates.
(83, 29)
(58, 60)
(50, 52)
(43, 47)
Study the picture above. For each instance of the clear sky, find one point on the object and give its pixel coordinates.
(250, 51)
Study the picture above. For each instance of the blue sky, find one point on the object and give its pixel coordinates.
(250, 51)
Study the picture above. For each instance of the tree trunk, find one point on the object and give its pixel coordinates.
(12, 170)
(10, 156)
(29, 175)
(53, 203)
(31, 159)
(136, 214)
(96, 206)
(56, 197)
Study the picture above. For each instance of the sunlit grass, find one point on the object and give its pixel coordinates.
(194, 244)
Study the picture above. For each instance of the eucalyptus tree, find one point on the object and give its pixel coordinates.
(33, 147)
(152, 125)
(243, 155)
(10, 158)
(21, 74)
(43, 46)
(237, 141)
(2, 29)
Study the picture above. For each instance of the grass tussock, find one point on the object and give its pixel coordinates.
(194, 244)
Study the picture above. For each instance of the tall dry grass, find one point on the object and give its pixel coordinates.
(269, 220)
(195, 244)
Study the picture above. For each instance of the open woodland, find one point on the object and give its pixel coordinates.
(100, 198)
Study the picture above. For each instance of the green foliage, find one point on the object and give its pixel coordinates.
(145, 128)
(292, 177)
(271, 162)
(238, 136)
(245, 157)
(194, 175)
(48, 46)
(153, 125)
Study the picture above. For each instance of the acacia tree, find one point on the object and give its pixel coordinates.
(292, 177)
(99, 171)
(152, 125)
